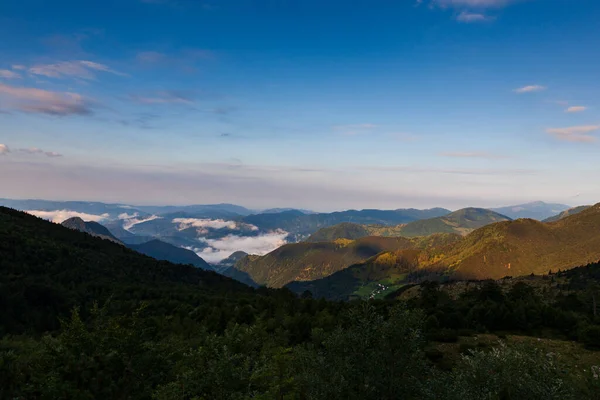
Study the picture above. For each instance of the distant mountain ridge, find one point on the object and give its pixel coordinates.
(535, 210)
(460, 222)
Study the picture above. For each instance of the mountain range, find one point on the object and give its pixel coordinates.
(508, 248)
(153, 248)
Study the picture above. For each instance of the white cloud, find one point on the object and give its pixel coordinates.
(530, 89)
(470, 17)
(77, 69)
(18, 67)
(579, 134)
(7, 74)
(576, 109)
(220, 249)
(203, 224)
(4, 150)
(59, 216)
(34, 100)
(129, 221)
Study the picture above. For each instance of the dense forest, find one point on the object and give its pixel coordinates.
(86, 318)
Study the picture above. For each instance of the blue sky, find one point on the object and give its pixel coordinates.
(317, 104)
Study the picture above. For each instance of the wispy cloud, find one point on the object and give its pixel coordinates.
(579, 134)
(471, 17)
(530, 89)
(473, 154)
(576, 109)
(81, 69)
(8, 74)
(37, 151)
(18, 67)
(32, 100)
(164, 97)
(4, 150)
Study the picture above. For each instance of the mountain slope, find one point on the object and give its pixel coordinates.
(536, 210)
(380, 274)
(461, 222)
(46, 269)
(527, 246)
(309, 261)
(509, 248)
(567, 213)
(167, 252)
(90, 227)
(345, 230)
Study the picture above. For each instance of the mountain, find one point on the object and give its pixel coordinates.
(167, 252)
(461, 222)
(345, 230)
(229, 261)
(535, 210)
(527, 246)
(380, 274)
(91, 228)
(299, 223)
(46, 269)
(280, 210)
(216, 210)
(508, 248)
(309, 261)
(567, 213)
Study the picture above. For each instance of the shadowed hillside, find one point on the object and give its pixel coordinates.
(381, 274)
(46, 269)
(168, 252)
(309, 261)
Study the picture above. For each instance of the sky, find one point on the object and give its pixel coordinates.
(325, 105)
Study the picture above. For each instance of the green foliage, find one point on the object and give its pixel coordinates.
(504, 373)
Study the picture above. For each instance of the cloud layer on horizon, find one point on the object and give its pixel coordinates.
(59, 216)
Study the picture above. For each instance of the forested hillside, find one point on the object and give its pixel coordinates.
(89, 318)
